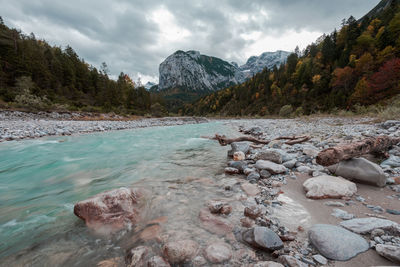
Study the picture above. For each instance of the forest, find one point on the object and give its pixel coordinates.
(357, 66)
(37, 76)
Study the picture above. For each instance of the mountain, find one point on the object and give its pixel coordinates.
(268, 60)
(196, 72)
(148, 85)
(352, 69)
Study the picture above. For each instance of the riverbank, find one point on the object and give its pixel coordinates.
(16, 125)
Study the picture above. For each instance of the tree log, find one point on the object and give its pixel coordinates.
(224, 141)
(372, 145)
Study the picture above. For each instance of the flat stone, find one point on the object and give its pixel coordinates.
(218, 252)
(393, 161)
(262, 238)
(240, 165)
(367, 225)
(390, 252)
(270, 155)
(360, 170)
(394, 212)
(267, 264)
(290, 164)
(334, 204)
(270, 166)
(214, 223)
(326, 186)
(250, 189)
(336, 243)
(342, 214)
(304, 169)
(320, 259)
(180, 251)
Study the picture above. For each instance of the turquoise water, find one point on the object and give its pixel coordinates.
(41, 179)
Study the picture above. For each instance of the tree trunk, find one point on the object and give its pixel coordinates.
(372, 145)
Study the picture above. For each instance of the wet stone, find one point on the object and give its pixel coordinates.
(262, 238)
(180, 251)
(218, 252)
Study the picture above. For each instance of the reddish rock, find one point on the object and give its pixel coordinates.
(213, 223)
(180, 251)
(151, 233)
(285, 238)
(114, 209)
(157, 261)
(219, 207)
(114, 262)
(250, 189)
(397, 180)
(252, 212)
(247, 222)
(218, 252)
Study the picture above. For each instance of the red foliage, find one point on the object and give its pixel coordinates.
(386, 82)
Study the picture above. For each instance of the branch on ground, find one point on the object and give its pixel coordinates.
(224, 141)
(372, 145)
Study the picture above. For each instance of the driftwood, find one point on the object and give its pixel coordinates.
(224, 141)
(372, 145)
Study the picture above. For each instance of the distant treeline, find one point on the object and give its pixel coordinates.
(355, 66)
(35, 75)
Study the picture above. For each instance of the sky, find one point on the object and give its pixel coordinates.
(135, 36)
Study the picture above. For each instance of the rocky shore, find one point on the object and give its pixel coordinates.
(16, 125)
(274, 206)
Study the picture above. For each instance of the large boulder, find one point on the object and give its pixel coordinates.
(262, 238)
(326, 186)
(361, 170)
(389, 252)
(367, 225)
(270, 166)
(336, 243)
(111, 210)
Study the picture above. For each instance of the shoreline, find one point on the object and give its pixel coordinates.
(16, 125)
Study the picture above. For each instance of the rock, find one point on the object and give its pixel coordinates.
(180, 251)
(394, 212)
(310, 151)
(267, 264)
(290, 164)
(335, 242)
(275, 144)
(390, 252)
(366, 225)
(253, 177)
(240, 165)
(270, 155)
(334, 204)
(304, 169)
(252, 212)
(250, 189)
(239, 156)
(114, 262)
(326, 186)
(361, 170)
(218, 252)
(239, 146)
(291, 261)
(265, 174)
(230, 170)
(247, 171)
(136, 256)
(320, 259)
(219, 207)
(152, 232)
(246, 222)
(342, 214)
(199, 261)
(270, 166)
(377, 232)
(393, 161)
(111, 210)
(157, 261)
(397, 180)
(262, 238)
(215, 224)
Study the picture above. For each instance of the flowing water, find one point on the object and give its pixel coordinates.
(41, 179)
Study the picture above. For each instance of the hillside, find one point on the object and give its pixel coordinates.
(35, 75)
(357, 65)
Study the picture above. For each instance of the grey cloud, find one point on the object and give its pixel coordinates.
(128, 40)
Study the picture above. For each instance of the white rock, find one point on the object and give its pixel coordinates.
(326, 186)
(270, 166)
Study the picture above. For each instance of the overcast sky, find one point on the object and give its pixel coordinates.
(136, 36)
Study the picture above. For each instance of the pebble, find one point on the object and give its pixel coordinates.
(320, 259)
